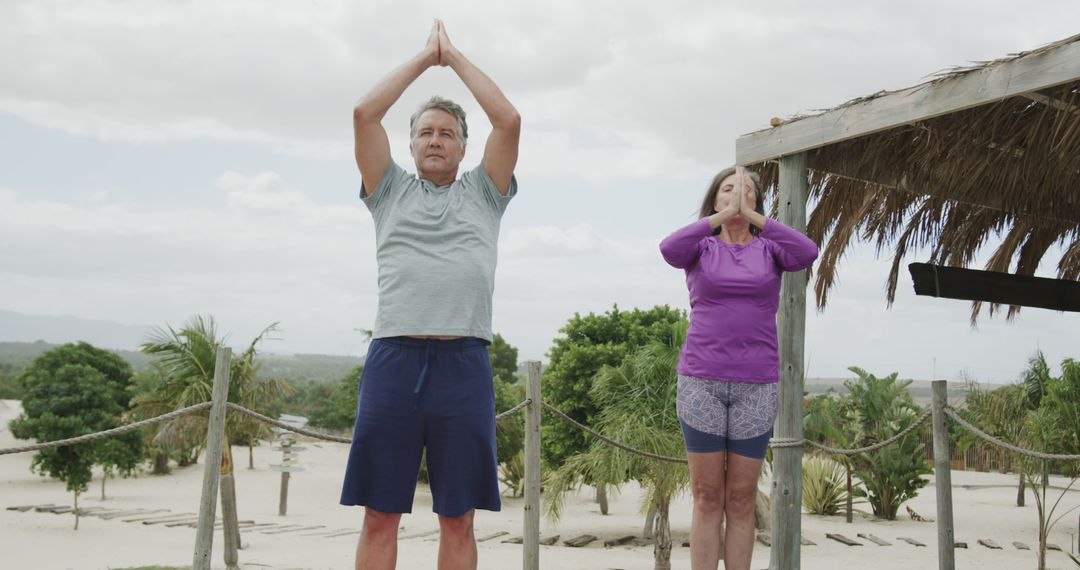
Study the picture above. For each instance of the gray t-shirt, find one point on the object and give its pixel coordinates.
(436, 250)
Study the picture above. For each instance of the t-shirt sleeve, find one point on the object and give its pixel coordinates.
(682, 248)
(792, 250)
(387, 186)
(480, 179)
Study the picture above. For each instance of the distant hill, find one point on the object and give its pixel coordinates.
(17, 327)
(295, 368)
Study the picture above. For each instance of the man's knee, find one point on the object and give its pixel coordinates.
(380, 523)
(460, 527)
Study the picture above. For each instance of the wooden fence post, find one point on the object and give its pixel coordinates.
(215, 436)
(943, 476)
(787, 461)
(531, 534)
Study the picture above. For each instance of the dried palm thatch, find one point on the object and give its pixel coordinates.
(1007, 170)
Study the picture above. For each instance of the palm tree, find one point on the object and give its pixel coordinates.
(186, 363)
(185, 366)
(637, 407)
(1002, 413)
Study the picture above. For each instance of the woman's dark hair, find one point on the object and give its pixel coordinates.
(707, 204)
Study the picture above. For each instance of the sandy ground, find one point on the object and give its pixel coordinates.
(984, 508)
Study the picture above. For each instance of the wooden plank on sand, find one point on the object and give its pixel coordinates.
(910, 541)
(842, 539)
(514, 540)
(579, 541)
(989, 543)
(316, 527)
(492, 536)
(24, 508)
(549, 540)
(619, 541)
(874, 539)
(1020, 545)
(764, 538)
(110, 516)
(421, 534)
(808, 542)
(342, 533)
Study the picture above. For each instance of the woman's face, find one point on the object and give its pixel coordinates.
(726, 193)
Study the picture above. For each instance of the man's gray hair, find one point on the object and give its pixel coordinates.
(443, 104)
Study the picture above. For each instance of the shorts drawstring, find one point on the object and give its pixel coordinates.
(423, 370)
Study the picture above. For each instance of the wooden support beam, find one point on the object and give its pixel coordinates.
(787, 461)
(988, 84)
(215, 437)
(531, 535)
(1052, 102)
(943, 476)
(995, 287)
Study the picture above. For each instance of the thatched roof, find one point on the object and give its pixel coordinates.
(951, 173)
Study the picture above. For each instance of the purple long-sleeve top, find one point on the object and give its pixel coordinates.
(734, 294)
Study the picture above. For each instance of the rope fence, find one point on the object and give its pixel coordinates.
(940, 412)
(774, 443)
(109, 432)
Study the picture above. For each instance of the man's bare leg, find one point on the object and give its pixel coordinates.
(457, 542)
(377, 547)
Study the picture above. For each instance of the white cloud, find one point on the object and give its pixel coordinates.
(628, 109)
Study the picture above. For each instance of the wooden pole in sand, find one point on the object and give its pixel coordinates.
(215, 436)
(531, 534)
(942, 476)
(787, 461)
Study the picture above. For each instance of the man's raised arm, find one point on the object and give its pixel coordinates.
(372, 144)
(501, 150)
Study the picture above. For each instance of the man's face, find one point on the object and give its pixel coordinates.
(436, 146)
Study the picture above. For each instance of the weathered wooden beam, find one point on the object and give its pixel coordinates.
(619, 541)
(1052, 102)
(579, 541)
(842, 539)
(943, 476)
(874, 539)
(531, 530)
(215, 437)
(910, 541)
(963, 91)
(995, 287)
(791, 327)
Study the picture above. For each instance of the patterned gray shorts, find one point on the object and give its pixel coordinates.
(736, 410)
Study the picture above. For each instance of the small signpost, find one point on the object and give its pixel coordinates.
(290, 462)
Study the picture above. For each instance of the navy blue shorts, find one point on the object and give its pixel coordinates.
(417, 395)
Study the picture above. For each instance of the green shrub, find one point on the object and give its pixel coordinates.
(824, 485)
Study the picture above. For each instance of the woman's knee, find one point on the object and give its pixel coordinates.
(708, 499)
(740, 501)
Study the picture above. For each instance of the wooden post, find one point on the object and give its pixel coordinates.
(531, 533)
(787, 461)
(942, 476)
(283, 500)
(215, 437)
(229, 524)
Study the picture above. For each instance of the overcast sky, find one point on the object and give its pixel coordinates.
(164, 159)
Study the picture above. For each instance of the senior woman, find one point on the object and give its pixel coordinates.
(729, 368)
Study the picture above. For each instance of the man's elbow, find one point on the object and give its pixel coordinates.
(510, 122)
(362, 115)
